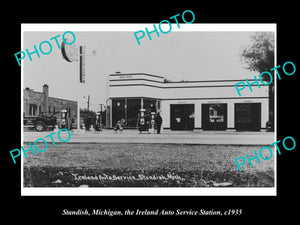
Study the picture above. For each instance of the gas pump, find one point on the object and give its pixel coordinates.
(142, 125)
(98, 122)
(152, 122)
(63, 119)
(142, 119)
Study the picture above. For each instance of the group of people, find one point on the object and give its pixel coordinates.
(119, 125)
(145, 126)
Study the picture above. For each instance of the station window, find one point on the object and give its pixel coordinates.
(118, 110)
(216, 113)
(133, 109)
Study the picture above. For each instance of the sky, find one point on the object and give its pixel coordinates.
(188, 55)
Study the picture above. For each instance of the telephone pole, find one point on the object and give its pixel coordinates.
(101, 114)
(88, 103)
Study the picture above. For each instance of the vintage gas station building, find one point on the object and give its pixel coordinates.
(186, 105)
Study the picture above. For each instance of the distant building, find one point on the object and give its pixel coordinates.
(39, 103)
(186, 105)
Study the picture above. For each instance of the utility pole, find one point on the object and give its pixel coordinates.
(88, 103)
(71, 53)
(101, 114)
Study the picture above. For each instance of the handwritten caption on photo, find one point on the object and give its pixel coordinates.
(100, 177)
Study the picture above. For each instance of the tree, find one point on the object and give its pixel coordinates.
(259, 57)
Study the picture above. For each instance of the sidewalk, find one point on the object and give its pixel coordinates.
(176, 137)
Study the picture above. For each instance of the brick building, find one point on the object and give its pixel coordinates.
(39, 103)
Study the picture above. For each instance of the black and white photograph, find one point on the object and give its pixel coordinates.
(123, 110)
(143, 112)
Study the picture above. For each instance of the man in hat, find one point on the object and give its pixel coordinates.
(158, 122)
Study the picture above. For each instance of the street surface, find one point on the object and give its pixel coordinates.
(179, 137)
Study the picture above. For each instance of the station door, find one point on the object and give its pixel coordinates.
(214, 116)
(182, 116)
(247, 116)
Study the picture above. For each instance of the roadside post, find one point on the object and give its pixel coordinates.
(72, 53)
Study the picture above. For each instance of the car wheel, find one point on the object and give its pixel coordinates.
(39, 126)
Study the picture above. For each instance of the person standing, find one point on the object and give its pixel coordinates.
(158, 122)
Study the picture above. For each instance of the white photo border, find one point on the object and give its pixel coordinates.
(141, 191)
